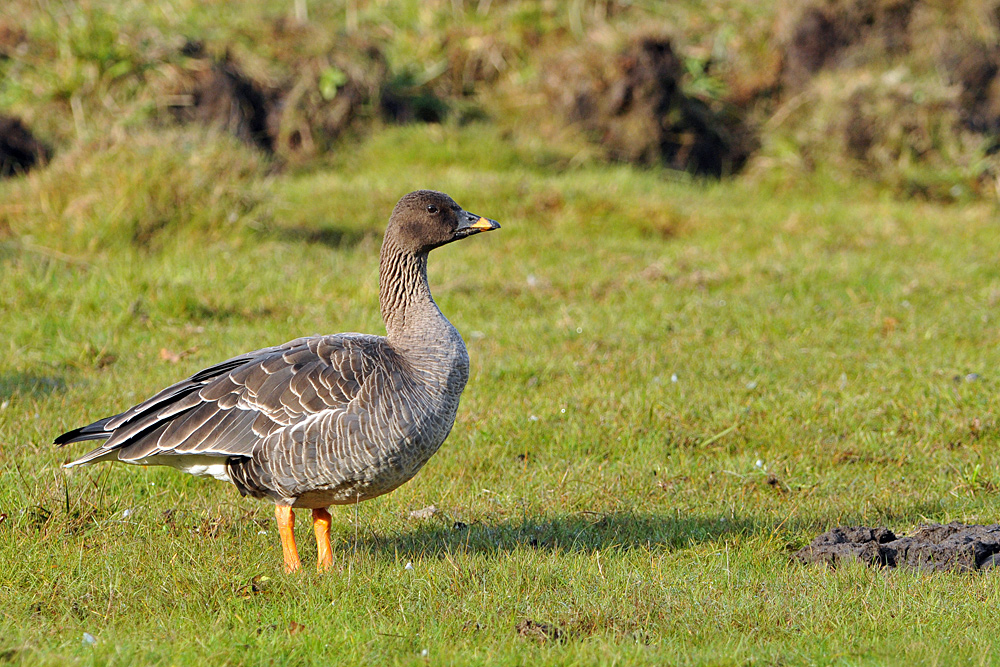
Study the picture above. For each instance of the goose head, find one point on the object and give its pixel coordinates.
(425, 219)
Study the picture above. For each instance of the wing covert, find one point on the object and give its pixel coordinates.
(228, 409)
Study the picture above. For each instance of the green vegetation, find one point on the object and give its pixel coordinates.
(675, 383)
(822, 330)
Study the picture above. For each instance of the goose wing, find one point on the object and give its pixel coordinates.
(228, 409)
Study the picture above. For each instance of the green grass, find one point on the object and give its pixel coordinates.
(638, 344)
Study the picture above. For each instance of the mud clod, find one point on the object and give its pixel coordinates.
(19, 149)
(823, 32)
(540, 632)
(222, 96)
(636, 107)
(975, 69)
(933, 547)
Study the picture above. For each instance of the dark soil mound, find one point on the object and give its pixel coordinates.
(13, 38)
(823, 31)
(219, 94)
(637, 109)
(303, 112)
(19, 150)
(935, 547)
(975, 70)
(910, 95)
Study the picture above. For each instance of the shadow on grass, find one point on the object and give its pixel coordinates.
(587, 532)
(332, 237)
(28, 384)
(571, 533)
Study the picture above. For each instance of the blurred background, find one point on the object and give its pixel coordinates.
(746, 289)
(903, 93)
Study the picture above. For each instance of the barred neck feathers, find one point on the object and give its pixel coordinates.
(408, 309)
(415, 326)
(420, 222)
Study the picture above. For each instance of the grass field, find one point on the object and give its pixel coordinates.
(674, 385)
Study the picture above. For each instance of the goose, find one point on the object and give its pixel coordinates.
(322, 420)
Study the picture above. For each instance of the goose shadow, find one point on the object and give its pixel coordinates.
(29, 385)
(588, 532)
(573, 533)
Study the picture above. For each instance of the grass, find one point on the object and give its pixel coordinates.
(674, 385)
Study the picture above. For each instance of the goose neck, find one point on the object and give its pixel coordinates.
(408, 309)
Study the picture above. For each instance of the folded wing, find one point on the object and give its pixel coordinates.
(228, 409)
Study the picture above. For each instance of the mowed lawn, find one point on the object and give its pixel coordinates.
(674, 386)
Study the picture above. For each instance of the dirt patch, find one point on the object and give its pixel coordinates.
(933, 547)
(975, 68)
(218, 94)
(303, 112)
(13, 40)
(822, 32)
(636, 107)
(540, 632)
(19, 149)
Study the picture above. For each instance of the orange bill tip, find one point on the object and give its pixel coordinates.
(484, 225)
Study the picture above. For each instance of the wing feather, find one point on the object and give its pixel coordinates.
(228, 409)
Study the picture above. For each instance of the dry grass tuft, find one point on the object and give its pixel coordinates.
(138, 189)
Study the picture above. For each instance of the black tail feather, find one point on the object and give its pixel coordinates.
(93, 431)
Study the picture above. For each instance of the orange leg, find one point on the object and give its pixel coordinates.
(321, 524)
(286, 529)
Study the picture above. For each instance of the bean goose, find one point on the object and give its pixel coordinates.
(323, 420)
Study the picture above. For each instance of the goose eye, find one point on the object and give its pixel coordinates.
(431, 208)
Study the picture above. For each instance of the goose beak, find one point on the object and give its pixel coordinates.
(470, 224)
(485, 225)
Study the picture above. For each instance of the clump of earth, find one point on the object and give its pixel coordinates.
(300, 114)
(636, 107)
(19, 149)
(904, 92)
(303, 111)
(933, 547)
(823, 33)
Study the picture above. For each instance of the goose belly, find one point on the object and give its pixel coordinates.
(373, 467)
